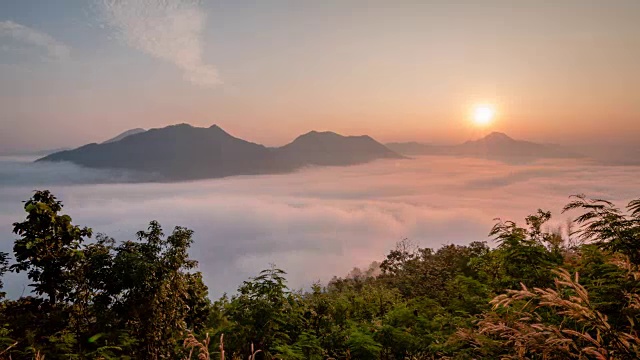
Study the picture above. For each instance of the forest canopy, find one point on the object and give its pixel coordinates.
(534, 292)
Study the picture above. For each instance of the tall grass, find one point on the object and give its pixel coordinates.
(523, 321)
(201, 348)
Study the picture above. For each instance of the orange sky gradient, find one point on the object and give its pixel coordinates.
(564, 72)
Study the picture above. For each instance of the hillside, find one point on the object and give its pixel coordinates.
(329, 148)
(496, 145)
(183, 152)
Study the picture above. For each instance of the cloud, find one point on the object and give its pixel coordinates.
(169, 30)
(16, 170)
(54, 49)
(318, 222)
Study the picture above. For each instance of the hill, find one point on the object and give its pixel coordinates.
(184, 152)
(329, 148)
(496, 145)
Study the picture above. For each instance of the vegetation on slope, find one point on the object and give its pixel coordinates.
(536, 295)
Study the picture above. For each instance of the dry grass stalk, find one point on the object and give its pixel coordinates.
(527, 334)
(9, 348)
(222, 347)
(192, 344)
(254, 353)
(202, 348)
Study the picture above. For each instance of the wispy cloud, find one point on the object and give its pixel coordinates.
(170, 30)
(54, 49)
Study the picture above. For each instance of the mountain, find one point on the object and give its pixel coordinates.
(184, 152)
(498, 146)
(612, 153)
(329, 148)
(124, 135)
(175, 152)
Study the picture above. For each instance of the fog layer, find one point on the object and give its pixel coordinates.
(317, 222)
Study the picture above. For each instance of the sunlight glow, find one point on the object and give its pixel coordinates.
(483, 115)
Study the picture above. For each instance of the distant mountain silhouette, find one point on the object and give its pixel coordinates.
(183, 152)
(612, 153)
(329, 148)
(496, 145)
(124, 135)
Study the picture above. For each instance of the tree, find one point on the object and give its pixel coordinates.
(605, 224)
(48, 248)
(155, 296)
(362, 346)
(139, 299)
(4, 267)
(264, 313)
(526, 255)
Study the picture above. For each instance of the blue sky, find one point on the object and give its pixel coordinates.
(73, 71)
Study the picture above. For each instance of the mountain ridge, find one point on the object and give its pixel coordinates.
(124, 134)
(185, 152)
(496, 145)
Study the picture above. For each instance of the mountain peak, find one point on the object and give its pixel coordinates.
(498, 136)
(186, 129)
(330, 148)
(185, 152)
(218, 130)
(320, 133)
(314, 135)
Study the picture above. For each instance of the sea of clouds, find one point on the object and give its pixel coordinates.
(317, 222)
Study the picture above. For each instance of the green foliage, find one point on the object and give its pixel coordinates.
(103, 300)
(526, 256)
(48, 247)
(157, 298)
(264, 313)
(606, 225)
(307, 347)
(139, 299)
(4, 267)
(362, 346)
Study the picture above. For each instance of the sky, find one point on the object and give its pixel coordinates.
(74, 72)
(318, 222)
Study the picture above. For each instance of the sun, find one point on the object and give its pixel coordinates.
(483, 115)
